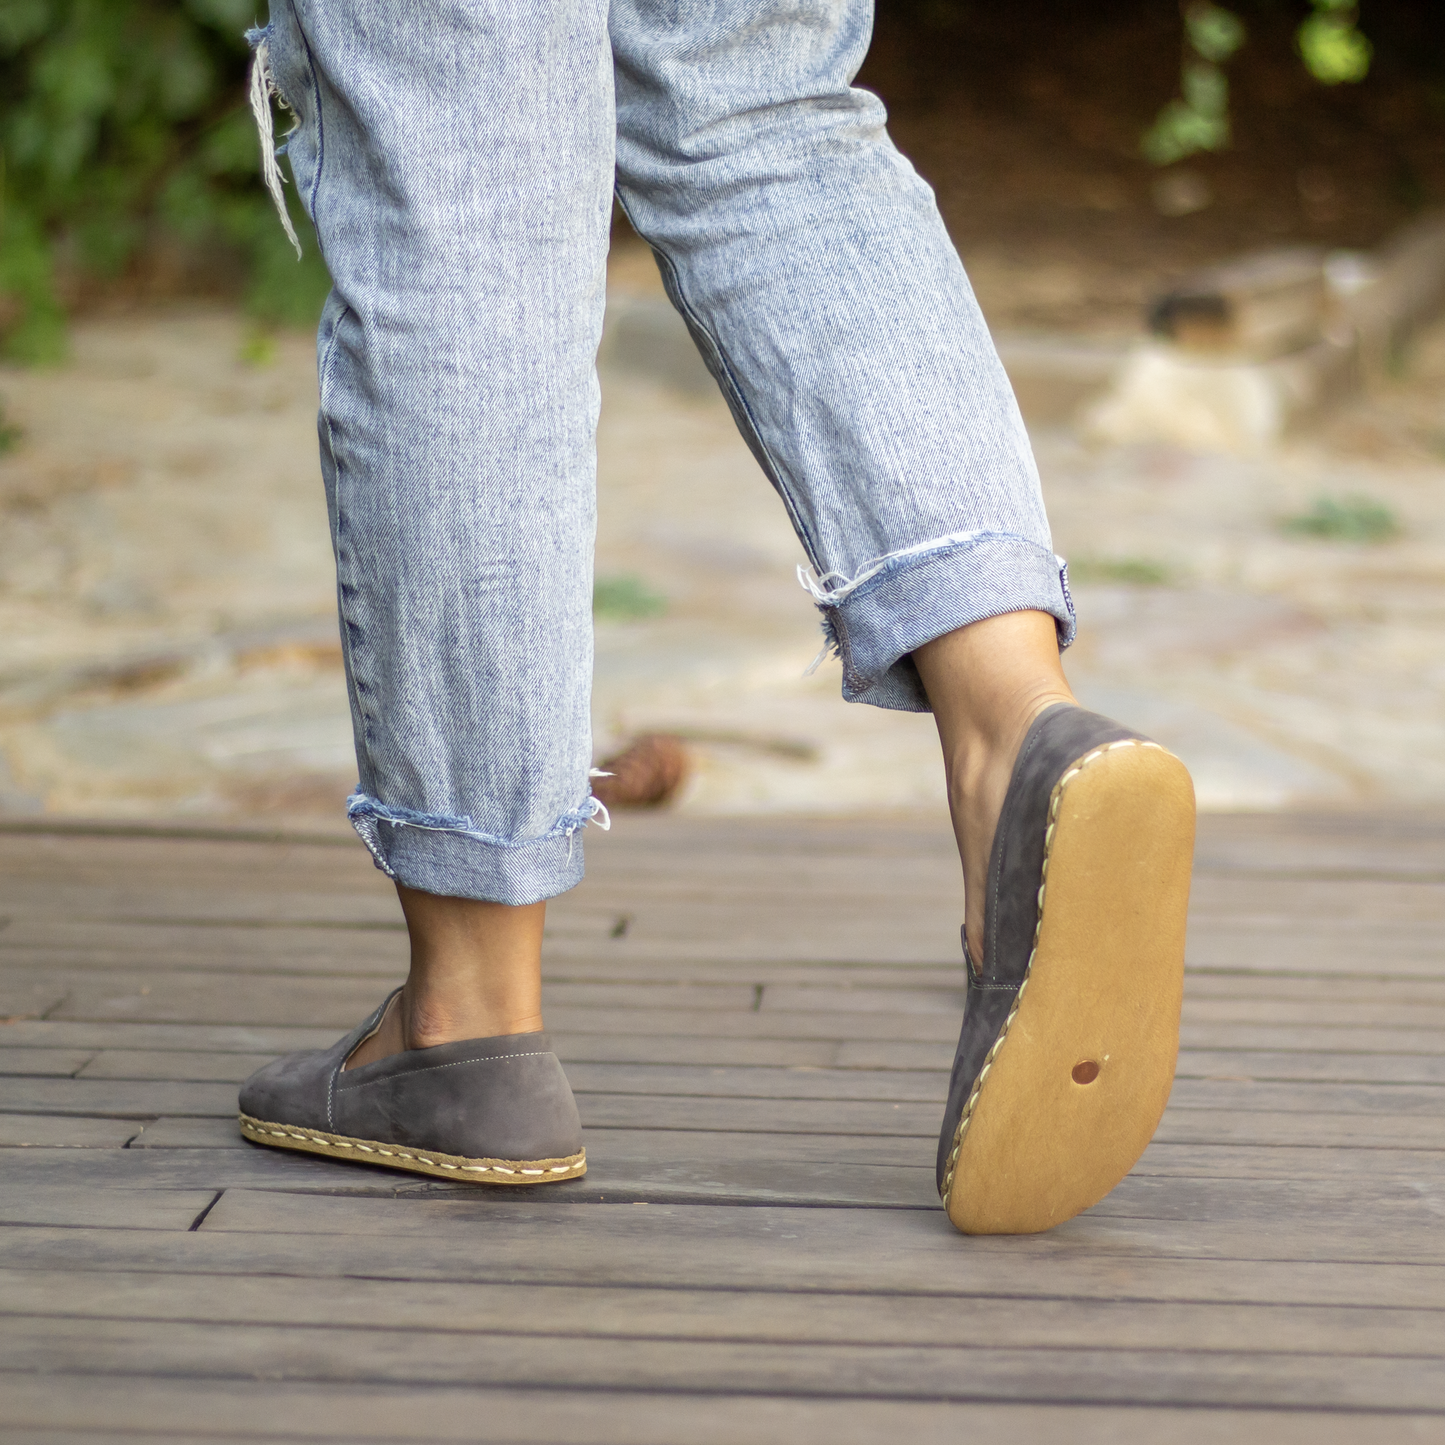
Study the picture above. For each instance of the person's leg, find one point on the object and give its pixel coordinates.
(458, 169)
(475, 973)
(815, 272)
(457, 162)
(816, 276)
(987, 682)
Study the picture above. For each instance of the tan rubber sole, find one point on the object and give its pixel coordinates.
(429, 1161)
(1076, 1083)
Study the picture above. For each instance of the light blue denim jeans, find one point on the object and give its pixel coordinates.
(458, 159)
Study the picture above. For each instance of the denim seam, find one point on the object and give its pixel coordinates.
(348, 653)
(906, 559)
(320, 127)
(434, 1068)
(698, 328)
(887, 568)
(362, 805)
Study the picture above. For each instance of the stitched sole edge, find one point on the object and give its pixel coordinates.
(1025, 1214)
(430, 1161)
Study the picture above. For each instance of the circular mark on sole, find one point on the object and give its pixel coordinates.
(1086, 1072)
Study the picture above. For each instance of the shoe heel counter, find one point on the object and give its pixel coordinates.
(555, 1123)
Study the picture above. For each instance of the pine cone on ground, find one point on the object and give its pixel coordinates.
(645, 774)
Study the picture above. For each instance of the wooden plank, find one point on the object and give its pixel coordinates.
(171, 1065)
(830, 1317)
(1228, 1065)
(775, 1116)
(658, 1163)
(1305, 1009)
(589, 1243)
(930, 1086)
(758, 1082)
(25, 996)
(209, 1038)
(855, 1117)
(1233, 951)
(1296, 1116)
(371, 1355)
(281, 999)
(42, 1204)
(102, 1098)
(1361, 1131)
(1274, 1161)
(328, 951)
(802, 998)
(1308, 1039)
(155, 996)
(577, 1047)
(1295, 989)
(614, 1178)
(276, 1039)
(276, 1409)
(50, 1131)
(1413, 1015)
(47, 1063)
(215, 1133)
(1310, 1097)
(916, 1252)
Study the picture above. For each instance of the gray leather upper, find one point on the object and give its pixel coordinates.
(497, 1098)
(1059, 736)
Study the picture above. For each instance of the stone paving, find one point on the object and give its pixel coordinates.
(167, 645)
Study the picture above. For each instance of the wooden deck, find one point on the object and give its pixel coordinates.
(757, 1018)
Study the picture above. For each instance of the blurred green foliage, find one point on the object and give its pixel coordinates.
(1132, 571)
(1345, 519)
(1329, 43)
(125, 121)
(626, 598)
(1333, 50)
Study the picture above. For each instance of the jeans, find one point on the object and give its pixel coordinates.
(458, 159)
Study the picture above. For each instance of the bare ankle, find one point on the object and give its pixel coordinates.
(987, 683)
(430, 1017)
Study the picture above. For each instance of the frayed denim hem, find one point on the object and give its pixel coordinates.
(874, 620)
(453, 857)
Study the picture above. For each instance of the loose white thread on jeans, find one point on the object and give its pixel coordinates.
(262, 89)
(830, 588)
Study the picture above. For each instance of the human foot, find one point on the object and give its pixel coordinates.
(482, 1110)
(476, 972)
(1071, 1025)
(987, 684)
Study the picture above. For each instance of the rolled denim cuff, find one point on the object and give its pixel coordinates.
(451, 856)
(901, 601)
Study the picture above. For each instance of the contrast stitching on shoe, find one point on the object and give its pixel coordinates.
(312, 1136)
(1055, 798)
(457, 1064)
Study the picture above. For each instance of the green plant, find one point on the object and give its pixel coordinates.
(257, 349)
(9, 433)
(1134, 571)
(1329, 42)
(1199, 120)
(122, 122)
(626, 598)
(1331, 46)
(1345, 519)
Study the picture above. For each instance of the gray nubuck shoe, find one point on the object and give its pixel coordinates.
(1071, 1023)
(492, 1111)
